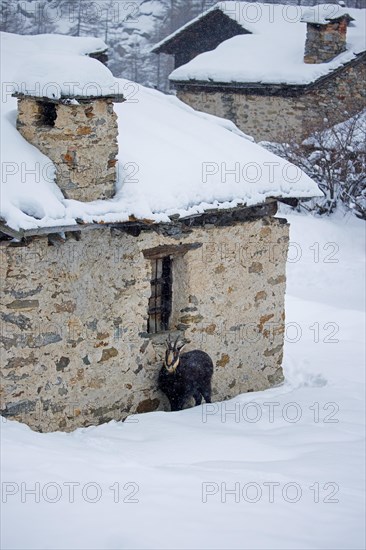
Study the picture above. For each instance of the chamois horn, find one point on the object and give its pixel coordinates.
(176, 342)
(168, 341)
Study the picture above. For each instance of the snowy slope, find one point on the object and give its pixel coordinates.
(171, 158)
(351, 133)
(274, 52)
(155, 481)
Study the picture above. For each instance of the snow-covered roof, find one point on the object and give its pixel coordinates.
(172, 160)
(273, 50)
(59, 76)
(55, 43)
(58, 66)
(318, 16)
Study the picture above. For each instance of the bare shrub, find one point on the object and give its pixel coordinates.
(335, 157)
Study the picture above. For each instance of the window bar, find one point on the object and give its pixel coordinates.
(156, 292)
(160, 302)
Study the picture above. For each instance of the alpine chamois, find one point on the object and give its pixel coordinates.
(185, 375)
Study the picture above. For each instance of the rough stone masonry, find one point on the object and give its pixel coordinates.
(281, 115)
(75, 348)
(79, 137)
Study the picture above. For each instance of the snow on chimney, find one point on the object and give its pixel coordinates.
(65, 109)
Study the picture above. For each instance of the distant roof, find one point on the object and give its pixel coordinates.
(272, 50)
(58, 43)
(173, 160)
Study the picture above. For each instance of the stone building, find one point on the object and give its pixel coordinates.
(85, 318)
(276, 71)
(92, 288)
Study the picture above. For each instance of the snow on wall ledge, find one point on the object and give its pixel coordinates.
(172, 159)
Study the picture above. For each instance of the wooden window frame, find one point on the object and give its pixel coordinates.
(160, 301)
(163, 254)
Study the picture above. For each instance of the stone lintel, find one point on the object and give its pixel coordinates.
(167, 250)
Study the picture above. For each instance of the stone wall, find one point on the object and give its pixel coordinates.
(274, 117)
(80, 139)
(75, 351)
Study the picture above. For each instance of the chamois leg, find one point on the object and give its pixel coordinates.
(207, 393)
(176, 403)
(197, 398)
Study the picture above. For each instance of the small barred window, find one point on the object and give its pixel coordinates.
(160, 302)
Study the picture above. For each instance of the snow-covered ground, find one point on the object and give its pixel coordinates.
(228, 475)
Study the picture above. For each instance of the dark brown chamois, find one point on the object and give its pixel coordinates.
(184, 376)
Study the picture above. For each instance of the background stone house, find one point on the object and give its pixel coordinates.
(275, 71)
(87, 301)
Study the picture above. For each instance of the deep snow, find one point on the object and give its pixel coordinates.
(159, 476)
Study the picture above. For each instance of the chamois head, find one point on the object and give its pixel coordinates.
(172, 354)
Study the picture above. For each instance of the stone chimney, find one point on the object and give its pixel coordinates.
(325, 37)
(79, 135)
